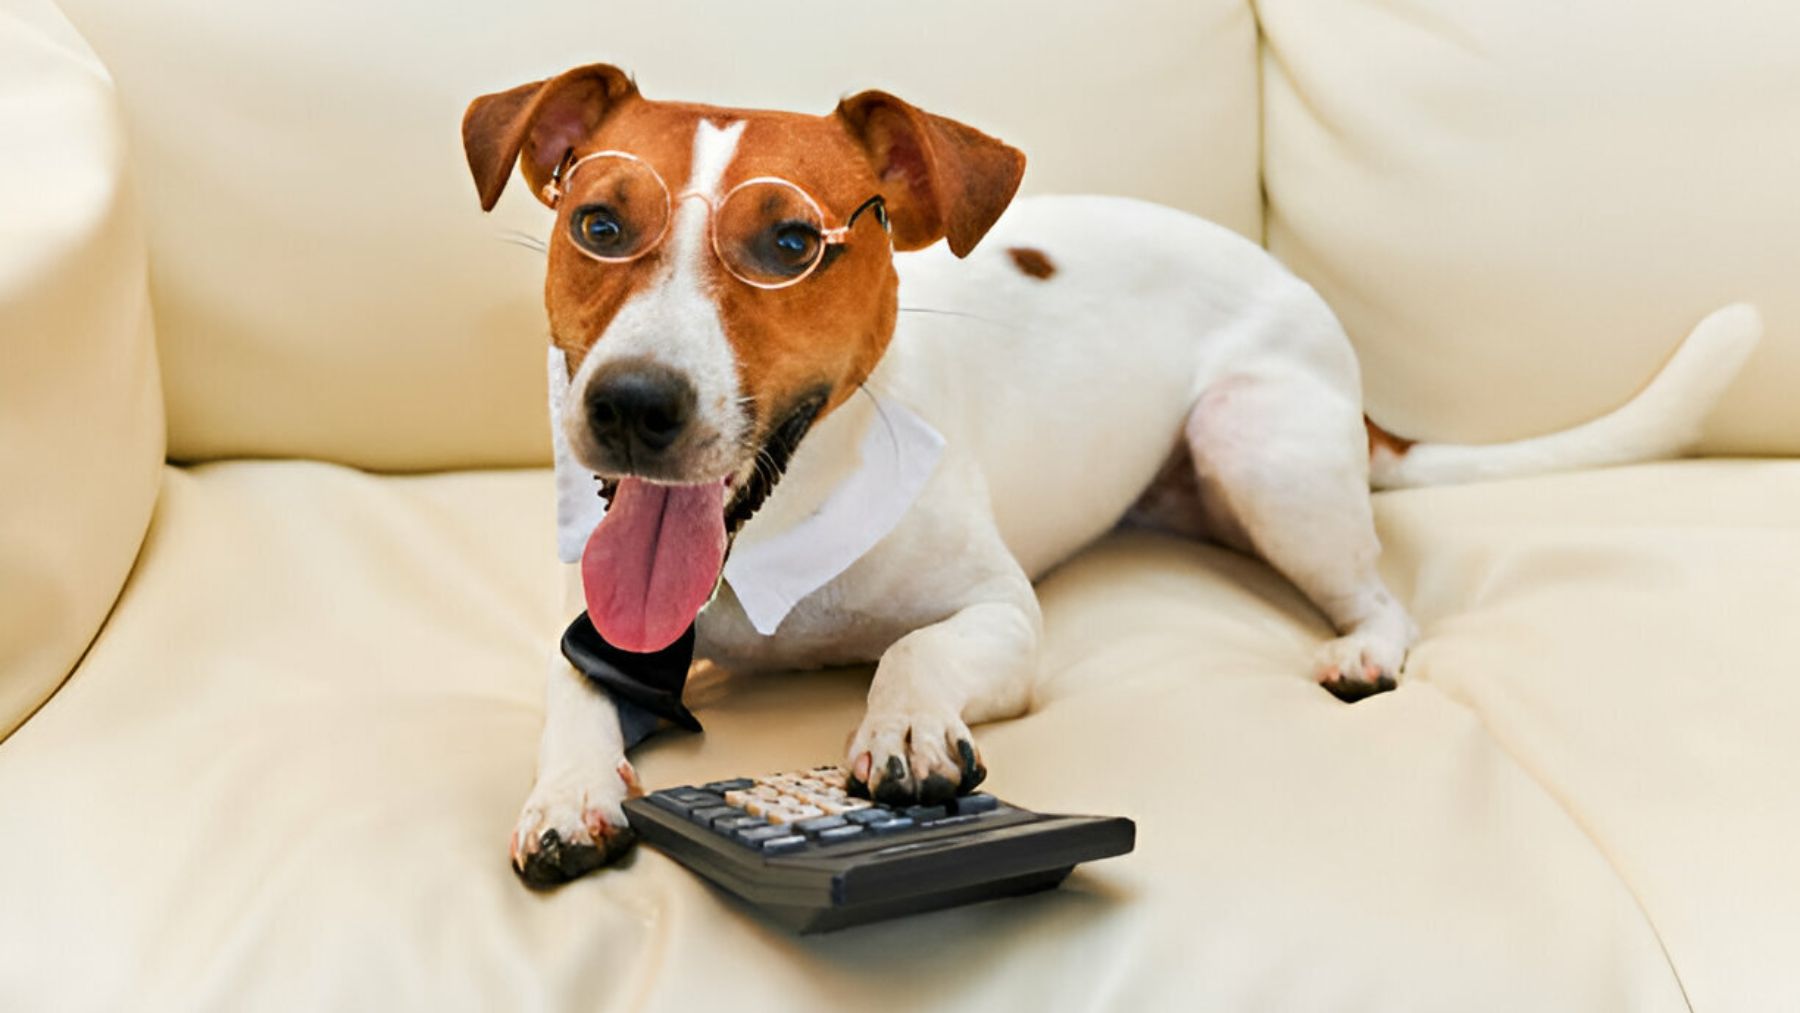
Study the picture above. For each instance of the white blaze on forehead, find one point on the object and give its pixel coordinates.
(713, 151)
(673, 321)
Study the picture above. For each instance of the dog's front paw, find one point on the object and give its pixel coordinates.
(572, 825)
(914, 755)
(1359, 665)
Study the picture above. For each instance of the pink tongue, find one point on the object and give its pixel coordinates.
(652, 563)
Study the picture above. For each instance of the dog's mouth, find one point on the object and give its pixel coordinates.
(655, 559)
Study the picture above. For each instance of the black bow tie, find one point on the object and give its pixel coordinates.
(652, 681)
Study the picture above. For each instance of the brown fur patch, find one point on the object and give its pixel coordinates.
(1380, 440)
(1032, 262)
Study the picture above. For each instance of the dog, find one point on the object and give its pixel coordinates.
(725, 285)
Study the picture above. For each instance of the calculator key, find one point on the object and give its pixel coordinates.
(818, 823)
(729, 825)
(837, 805)
(686, 800)
(926, 813)
(977, 803)
(891, 825)
(735, 784)
(869, 814)
(836, 834)
(776, 845)
(755, 836)
(793, 814)
(705, 816)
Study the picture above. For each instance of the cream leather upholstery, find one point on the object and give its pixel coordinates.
(1539, 196)
(81, 433)
(283, 774)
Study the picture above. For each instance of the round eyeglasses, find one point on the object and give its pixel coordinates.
(766, 231)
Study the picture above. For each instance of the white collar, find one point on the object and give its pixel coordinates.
(822, 518)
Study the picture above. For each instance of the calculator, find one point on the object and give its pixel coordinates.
(813, 858)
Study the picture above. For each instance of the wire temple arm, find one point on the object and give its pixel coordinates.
(553, 190)
(880, 209)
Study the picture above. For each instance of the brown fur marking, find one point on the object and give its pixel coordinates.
(1032, 262)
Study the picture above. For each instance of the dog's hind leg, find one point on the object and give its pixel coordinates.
(1282, 470)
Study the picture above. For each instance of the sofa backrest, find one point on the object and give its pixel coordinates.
(1519, 208)
(325, 285)
(81, 433)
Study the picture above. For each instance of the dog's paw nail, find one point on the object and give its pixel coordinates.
(1352, 690)
(973, 773)
(896, 769)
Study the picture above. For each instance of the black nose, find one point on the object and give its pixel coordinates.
(638, 408)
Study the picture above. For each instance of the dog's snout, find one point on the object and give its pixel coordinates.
(639, 408)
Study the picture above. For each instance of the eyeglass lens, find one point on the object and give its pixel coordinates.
(766, 232)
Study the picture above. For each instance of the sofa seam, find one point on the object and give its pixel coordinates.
(1544, 784)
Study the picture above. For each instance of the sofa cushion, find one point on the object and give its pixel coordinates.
(285, 774)
(1519, 208)
(81, 436)
(327, 287)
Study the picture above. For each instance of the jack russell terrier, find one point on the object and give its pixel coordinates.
(723, 282)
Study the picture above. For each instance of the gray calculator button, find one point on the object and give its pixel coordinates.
(684, 800)
(777, 845)
(705, 816)
(729, 825)
(889, 826)
(735, 784)
(756, 835)
(836, 834)
(873, 814)
(818, 823)
(977, 803)
(925, 813)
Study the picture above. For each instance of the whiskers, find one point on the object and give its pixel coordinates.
(519, 237)
(936, 312)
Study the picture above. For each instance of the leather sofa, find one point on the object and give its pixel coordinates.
(276, 567)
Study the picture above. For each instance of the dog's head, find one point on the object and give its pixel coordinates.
(719, 279)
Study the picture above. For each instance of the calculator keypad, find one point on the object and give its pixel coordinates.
(784, 813)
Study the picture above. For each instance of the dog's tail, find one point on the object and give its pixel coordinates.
(1663, 420)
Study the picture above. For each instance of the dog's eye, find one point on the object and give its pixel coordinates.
(796, 241)
(791, 247)
(599, 230)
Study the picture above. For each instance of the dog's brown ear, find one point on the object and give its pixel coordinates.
(942, 180)
(535, 124)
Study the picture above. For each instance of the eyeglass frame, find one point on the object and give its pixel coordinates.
(555, 190)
